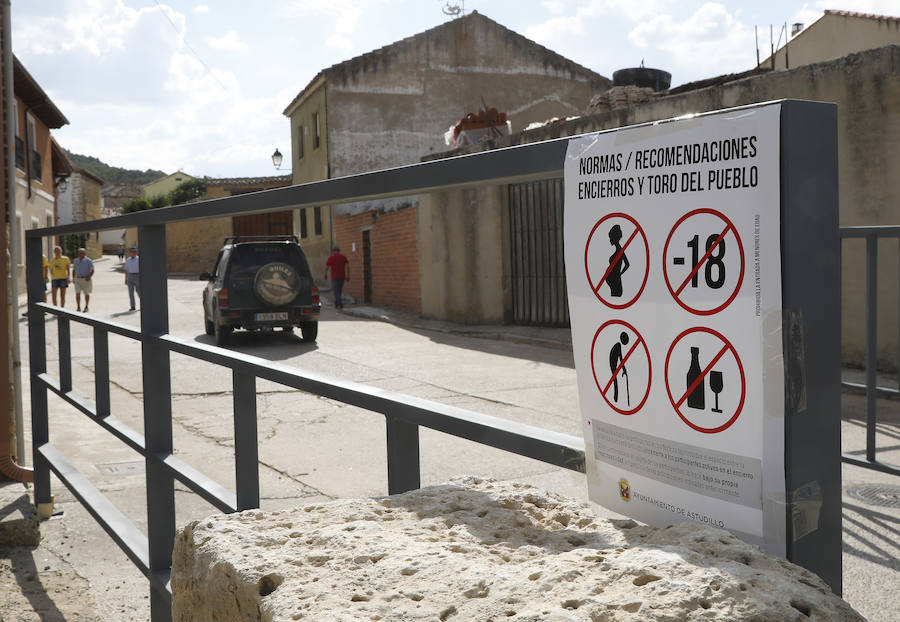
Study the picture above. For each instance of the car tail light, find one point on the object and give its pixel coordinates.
(315, 294)
(223, 298)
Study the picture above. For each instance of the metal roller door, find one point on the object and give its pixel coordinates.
(537, 263)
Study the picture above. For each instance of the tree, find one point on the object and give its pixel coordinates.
(187, 191)
(137, 204)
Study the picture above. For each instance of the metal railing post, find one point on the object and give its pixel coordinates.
(157, 387)
(101, 371)
(37, 361)
(246, 448)
(871, 341)
(65, 354)
(402, 456)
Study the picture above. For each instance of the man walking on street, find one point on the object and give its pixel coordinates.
(82, 270)
(340, 272)
(59, 275)
(133, 275)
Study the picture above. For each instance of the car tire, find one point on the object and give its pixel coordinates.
(276, 284)
(309, 331)
(221, 333)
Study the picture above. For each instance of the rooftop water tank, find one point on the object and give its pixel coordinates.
(656, 79)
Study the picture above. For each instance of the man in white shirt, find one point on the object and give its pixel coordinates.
(82, 270)
(133, 275)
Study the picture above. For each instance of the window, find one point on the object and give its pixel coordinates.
(299, 142)
(35, 157)
(303, 232)
(317, 131)
(317, 220)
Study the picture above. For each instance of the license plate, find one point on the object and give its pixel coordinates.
(269, 317)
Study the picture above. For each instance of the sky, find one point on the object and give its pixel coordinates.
(201, 85)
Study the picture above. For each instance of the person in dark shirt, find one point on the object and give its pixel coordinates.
(340, 272)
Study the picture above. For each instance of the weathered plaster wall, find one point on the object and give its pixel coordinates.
(866, 88)
(393, 106)
(833, 36)
(464, 256)
(310, 163)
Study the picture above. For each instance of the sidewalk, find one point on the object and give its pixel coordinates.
(42, 584)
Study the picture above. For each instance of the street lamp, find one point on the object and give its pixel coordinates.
(277, 159)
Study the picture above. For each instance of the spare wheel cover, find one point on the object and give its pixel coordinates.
(276, 283)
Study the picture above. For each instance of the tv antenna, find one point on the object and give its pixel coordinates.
(453, 10)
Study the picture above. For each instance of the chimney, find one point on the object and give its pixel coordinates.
(795, 28)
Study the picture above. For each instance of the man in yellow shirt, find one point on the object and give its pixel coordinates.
(59, 275)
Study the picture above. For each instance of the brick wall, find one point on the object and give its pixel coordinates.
(394, 256)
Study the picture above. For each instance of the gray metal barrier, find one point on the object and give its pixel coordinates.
(151, 553)
(871, 388)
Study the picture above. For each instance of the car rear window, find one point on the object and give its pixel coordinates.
(246, 259)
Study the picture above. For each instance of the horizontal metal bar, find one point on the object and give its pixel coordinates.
(501, 166)
(515, 164)
(199, 483)
(129, 538)
(874, 465)
(205, 487)
(89, 320)
(859, 387)
(884, 231)
(554, 448)
(117, 428)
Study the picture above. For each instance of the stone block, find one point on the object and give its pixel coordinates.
(477, 549)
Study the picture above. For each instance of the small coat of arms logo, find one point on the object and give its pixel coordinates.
(624, 489)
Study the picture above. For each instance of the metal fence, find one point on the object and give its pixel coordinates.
(871, 235)
(152, 552)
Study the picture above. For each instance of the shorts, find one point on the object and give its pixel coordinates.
(83, 286)
(59, 283)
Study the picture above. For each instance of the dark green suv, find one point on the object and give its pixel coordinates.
(260, 283)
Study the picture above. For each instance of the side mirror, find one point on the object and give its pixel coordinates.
(205, 276)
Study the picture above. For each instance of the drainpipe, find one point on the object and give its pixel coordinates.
(8, 310)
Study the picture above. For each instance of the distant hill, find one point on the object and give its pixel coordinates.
(113, 174)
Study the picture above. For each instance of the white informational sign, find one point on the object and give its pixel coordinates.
(673, 263)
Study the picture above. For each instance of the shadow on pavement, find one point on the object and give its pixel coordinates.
(874, 536)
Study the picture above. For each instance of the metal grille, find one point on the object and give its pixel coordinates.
(880, 495)
(537, 263)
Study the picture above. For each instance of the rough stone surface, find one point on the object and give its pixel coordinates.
(479, 550)
(19, 523)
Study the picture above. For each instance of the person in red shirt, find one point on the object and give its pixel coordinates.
(340, 272)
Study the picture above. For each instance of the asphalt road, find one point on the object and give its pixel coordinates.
(314, 449)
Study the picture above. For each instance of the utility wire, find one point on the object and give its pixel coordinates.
(188, 46)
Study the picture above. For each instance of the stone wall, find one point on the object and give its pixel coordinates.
(480, 550)
(866, 88)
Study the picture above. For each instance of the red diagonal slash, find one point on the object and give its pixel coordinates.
(615, 261)
(637, 342)
(702, 375)
(699, 265)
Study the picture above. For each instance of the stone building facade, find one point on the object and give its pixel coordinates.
(392, 106)
(81, 201)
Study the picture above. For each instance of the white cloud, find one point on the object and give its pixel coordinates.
(711, 38)
(554, 6)
(201, 8)
(229, 42)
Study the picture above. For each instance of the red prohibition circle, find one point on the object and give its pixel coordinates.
(740, 406)
(587, 272)
(740, 280)
(649, 366)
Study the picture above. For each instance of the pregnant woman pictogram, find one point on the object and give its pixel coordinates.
(618, 263)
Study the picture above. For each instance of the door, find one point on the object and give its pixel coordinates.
(276, 223)
(367, 266)
(537, 265)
